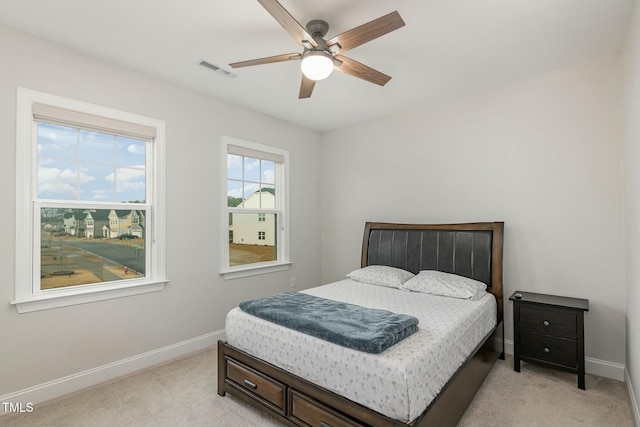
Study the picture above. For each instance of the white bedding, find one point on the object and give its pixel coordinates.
(399, 382)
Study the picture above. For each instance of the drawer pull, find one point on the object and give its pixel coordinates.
(250, 385)
(547, 350)
(546, 323)
(323, 424)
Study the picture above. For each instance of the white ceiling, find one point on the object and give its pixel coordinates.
(447, 48)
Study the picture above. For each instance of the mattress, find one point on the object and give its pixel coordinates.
(400, 382)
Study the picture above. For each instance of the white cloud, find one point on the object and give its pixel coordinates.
(269, 176)
(136, 149)
(236, 192)
(128, 179)
(55, 181)
(101, 194)
(126, 174)
(251, 165)
(234, 161)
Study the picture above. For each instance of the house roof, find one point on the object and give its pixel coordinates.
(100, 214)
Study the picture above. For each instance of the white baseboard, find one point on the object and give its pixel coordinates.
(632, 398)
(602, 368)
(80, 380)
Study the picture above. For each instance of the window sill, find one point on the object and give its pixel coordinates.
(67, 297)
(253, 270)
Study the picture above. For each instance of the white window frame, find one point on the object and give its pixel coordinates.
(282, 207)
(28, 299)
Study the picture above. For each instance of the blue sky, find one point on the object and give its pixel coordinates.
(89, 166)
(244, 178)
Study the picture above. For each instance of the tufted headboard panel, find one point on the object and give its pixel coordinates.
(472, 250)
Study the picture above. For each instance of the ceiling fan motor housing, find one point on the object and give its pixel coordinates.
(317, 28)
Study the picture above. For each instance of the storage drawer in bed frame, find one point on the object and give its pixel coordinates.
(259, 386)
(298, 402)
(286, 397)
(309, 412)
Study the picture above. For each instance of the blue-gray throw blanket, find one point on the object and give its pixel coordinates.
(360, 328)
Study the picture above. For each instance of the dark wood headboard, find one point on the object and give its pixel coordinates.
(472, 250)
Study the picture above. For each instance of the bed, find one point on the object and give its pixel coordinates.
(394, 388)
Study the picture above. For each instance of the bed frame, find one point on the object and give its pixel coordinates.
(472, 250)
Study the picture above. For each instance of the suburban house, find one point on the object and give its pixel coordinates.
(255, 228)
(87, 223)
(102, 223)
(125, 222)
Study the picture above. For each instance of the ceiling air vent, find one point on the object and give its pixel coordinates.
(215, 68)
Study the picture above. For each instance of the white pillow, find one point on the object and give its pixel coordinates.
(381, 275)
(445, 284)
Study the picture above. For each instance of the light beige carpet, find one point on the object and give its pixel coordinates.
(183, 393)
(538, 396)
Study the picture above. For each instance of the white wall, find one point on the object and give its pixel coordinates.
(48, 345)
(543, 155)
(631, 138)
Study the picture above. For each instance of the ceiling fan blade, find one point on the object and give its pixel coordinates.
(367, 32)
(306, 87)
(293, 27)
(267, 60)
(356, 69)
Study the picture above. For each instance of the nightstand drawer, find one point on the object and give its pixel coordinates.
(549, 349)
(554, 322)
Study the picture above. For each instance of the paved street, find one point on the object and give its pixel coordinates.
(126, 255)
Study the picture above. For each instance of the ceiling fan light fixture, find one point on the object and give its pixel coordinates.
(317, 65)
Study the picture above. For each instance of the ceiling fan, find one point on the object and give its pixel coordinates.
(320, 57)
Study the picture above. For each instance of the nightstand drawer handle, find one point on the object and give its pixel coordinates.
(546, 323)
(547, 350)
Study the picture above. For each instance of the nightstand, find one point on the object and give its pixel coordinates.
(549, 330)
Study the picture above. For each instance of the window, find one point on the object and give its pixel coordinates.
(255, 209)
(89, 212)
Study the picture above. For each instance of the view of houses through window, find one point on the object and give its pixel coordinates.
(91, 198)
(253, 217)
(84, 246)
